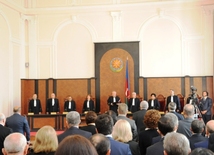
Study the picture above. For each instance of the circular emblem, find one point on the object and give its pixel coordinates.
(116, 64)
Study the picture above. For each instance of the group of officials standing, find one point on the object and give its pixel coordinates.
(52, 105)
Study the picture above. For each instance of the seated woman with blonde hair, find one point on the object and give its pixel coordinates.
(45, 142)
(122, 133)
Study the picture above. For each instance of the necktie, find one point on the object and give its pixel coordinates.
(52, 102)
(34, 103)
(69, 105)
(133, 101)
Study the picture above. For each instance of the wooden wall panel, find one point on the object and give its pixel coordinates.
(110, 80)
(42, 94)
(198, 84)
(210, 87)
(28, 89)
(141, 91)
(163, 86)
(187, 87)
(76, 88)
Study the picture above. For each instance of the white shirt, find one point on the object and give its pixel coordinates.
(69, 105)
(152, 103)
(88, 104)
(114, 99)
(133, 101)
(34, 103)
(52, 101)
(171, 98)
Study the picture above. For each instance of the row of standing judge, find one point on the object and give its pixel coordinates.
(52, 105)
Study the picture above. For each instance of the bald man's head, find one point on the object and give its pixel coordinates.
(188, 110)
(15, 144)
(17, 109)
(2, 119)
(210, 127)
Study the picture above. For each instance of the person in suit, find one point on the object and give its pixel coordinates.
(201, 151)
(197, 127)
(138, 116)
(104, 124)
(101, 144)
(122, 132)
(172, 108)
(35, 105)
(153, 102)
(176, 143)
(15, 144)
(151, 119)
(52, 104)
(205, 107)
(122, 112)
(69, 105)
(113, 101)
(167, 123)
(18, 123)
(134, 103)
(90, 118)
(4, 131)
(185, 125)
(76, 145)
(173, 98)
(72, 122)
(88, 104)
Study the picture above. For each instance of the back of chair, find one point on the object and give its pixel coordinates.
(162, 102)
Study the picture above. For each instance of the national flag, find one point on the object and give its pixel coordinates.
(127, 84)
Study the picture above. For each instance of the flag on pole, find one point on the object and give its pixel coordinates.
(127, 84)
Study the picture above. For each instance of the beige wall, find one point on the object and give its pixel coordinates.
(57, 39)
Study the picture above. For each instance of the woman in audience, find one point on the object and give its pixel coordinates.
(113, 115)
(45, 142)
(122, 133)
(151, 119)
(90, 118)
(76, 145)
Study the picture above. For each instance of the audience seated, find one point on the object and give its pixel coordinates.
(101, 144)
(122, 133)
(90, 118)
(211, 142)
(76, 145)
(201, 151)
(151, 119)
(139, 116)
(185, 125)
(4, 131)
(45, 141)
(122, 112)
(197, 128)
(113, 115)
(167, 123)
(72, 122)
(172, 108)
(176, 144)
(104, 125)
(15, 144)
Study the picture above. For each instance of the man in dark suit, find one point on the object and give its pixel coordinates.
(205, 107)
(18, 123)
(4, 131)
(104, 124)
(197, 128)
(35, 105)
(52, 104)
(153, 102)
(72, 122)
(185, 125)
(139, 116)
(173, 98)
(88, 104)
(69, 105)
(134, 103)
(113, 101)
(176, 143)
(122, 112)
(167, 123)
(172, 108)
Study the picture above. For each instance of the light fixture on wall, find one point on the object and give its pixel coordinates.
(27, 64)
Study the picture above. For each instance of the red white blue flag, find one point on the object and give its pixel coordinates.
(127, 84)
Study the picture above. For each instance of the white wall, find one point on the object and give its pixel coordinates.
(57, 39)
